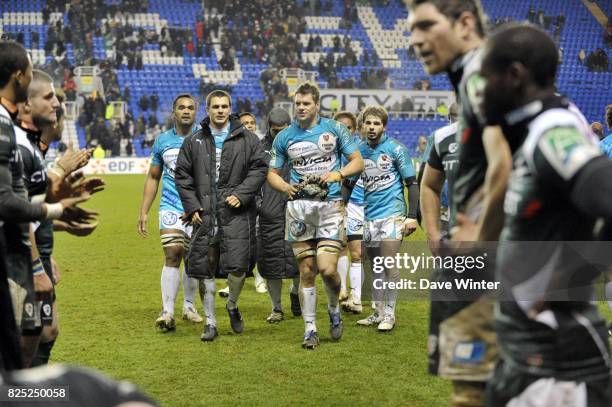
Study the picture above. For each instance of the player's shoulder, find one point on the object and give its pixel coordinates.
(285, 133)
(553, 124)
(394, 145)
(445, 132)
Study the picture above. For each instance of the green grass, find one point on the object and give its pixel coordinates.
(109, 298)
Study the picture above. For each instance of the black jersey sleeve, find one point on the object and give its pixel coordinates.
(434, 160)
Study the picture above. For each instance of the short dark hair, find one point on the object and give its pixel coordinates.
(309, 88)
(13, 58)
(241, 115)
(218, 93)
(184, 95)
(526, 44)
(347, 115)
(452, 9)
(609, 116)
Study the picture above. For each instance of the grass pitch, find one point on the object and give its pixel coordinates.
(109, 298)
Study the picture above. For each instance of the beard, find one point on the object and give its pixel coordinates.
(21, 94)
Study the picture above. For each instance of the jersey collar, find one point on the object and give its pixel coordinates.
(382, 140)
(10, 107)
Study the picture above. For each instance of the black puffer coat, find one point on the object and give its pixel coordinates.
(275, 259)
(242, 172)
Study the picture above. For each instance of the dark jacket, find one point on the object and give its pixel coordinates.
(275, 259)
(242, 172)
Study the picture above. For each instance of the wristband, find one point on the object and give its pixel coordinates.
(54, 211)
(58, 170)
(37, 267)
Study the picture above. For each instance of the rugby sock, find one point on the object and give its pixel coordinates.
(391, 294)
(609, 294)
(235, 285)
(190, 286)
(356, 278)
(309, 308)
(170, 281)
(343, 265)
(43, 354)
(208, 300)
(275, 288)
(332, 297)
(295, 287)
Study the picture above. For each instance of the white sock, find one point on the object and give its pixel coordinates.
(295, 287)
(275, 288)
(170, 281)
(609, 294)
(332, 298)
(390, 295)
(207, 292)
(356, 277)
(258, 278)
(343, 265)
(190, 286)
(309, 308)
(235, 285)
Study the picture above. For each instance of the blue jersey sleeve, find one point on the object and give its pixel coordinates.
(606, 146)
(403, 162)
(157, 159)
(346, 145)
(279, 150)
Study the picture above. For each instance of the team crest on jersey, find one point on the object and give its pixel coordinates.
(453, 147)
(327, 142)
(297, 228)
(46, 309)
(29, 309)
(169, 218)
(384, 162)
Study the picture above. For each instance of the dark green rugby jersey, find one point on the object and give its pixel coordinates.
(444, 155)
(566, 340)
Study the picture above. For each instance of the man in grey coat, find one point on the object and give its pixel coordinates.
(219, 171)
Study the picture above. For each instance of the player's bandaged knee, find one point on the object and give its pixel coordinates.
(329, 248)
(172, 239)
(301, 253)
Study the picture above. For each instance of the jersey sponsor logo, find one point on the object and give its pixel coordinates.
(453, 147)
(306, 158)
(327, 143)
(449, 165)
(170, 156)
(469, 352)
(297, 228)
(169, 218)
(375, 179)
(354, 225)
(567, 150)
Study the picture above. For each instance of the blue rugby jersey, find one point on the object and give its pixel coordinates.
(386, 166)
(314, 151)
(164, 154)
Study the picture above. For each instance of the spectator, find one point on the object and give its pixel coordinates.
(598, 129)
(143, 103)
(154, 101)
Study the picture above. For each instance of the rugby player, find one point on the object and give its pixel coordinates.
(388, 168)
(552, 352)
(173, 233)
(354, 231)
(448, 36)
(219, 172)
(312, 146)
